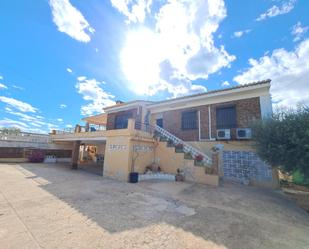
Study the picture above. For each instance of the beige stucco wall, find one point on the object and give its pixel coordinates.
(144, 152)
(117, 158)
(170, 161)
(101, 149)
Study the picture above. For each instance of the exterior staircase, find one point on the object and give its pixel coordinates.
(181, 146)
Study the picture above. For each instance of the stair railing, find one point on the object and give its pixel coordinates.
(186, 147)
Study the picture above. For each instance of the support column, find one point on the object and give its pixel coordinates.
(75, 153)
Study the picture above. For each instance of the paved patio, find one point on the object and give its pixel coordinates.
(51, 206)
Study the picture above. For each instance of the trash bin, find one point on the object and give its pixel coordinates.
(133, 177)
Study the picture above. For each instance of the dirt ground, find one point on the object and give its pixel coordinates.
(51, 206)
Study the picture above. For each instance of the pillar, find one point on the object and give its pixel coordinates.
(75, 153)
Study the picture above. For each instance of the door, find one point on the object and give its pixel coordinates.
(159, 122)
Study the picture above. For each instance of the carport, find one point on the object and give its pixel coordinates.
(87, 152)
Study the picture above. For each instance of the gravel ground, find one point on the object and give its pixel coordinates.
(51, 206)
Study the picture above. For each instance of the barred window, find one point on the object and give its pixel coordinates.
(226, 117)
(189, 120)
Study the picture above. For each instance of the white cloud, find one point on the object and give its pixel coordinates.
(289, 71)
(298, 31)
(81, 78)
(69, 70)
(285, 8)
(240, 33)
(18, 87)
(17, 104)
(1, 77)
(178, 50)
(59, 119)
(69, 126)
(134, 10)
(63, 106)
(225, 83)
(6, 122)
(27, 122)
(70, 20)
(2, 86)
(92, 92)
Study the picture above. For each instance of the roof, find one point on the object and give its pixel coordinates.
(263, 82)
(128, 103)
(100, 119)
(154, 103)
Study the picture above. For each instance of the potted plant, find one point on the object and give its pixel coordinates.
(133, 176)
(188, 155)
(198, 160)
(170, 143)
(179, 177)
(179, 147)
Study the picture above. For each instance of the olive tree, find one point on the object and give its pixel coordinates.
(283, 140)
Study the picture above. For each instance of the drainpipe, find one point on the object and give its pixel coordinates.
(209, 124)
(199, 125)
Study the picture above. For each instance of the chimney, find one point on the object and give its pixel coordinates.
(118, 102)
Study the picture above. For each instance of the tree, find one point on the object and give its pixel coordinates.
(9, 131)
(283, 140)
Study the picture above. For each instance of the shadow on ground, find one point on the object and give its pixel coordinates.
(231, 216)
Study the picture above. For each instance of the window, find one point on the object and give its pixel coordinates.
(121, 121)
(159, 122)
(226, 117)
(189, 120)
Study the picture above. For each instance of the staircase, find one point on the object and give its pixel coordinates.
(187, 148)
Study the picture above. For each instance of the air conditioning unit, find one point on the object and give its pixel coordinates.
(223, 134)
(243, 133)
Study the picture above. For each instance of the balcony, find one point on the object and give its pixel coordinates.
(95, 133)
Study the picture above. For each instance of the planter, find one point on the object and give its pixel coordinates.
(198, 163)
(188, 156)
(133, 177)
(179, 178)
(170, 143)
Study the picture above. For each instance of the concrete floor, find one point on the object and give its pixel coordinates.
(51, 206)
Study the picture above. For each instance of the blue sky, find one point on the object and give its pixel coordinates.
(62, 60)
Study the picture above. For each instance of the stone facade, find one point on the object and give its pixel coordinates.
(247, 110)
(245, 167)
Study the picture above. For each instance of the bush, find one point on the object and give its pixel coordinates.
(37, 156)
(283, 140)
(199, 158)
(299, 178)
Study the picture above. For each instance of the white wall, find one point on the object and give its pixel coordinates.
(266, 106)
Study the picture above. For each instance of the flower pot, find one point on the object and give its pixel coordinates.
(179, 178)
(133, 177)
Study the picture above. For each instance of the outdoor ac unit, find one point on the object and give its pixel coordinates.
(223, 134)
(243, 133)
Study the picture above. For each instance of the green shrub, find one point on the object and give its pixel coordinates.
(283, 140)
(299, 178)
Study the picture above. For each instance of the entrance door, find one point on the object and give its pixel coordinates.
(159, 122)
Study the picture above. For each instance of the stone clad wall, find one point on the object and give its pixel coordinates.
(245, 167)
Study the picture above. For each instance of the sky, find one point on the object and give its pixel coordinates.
(62, 60)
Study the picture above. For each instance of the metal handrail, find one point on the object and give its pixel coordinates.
(186, 147)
